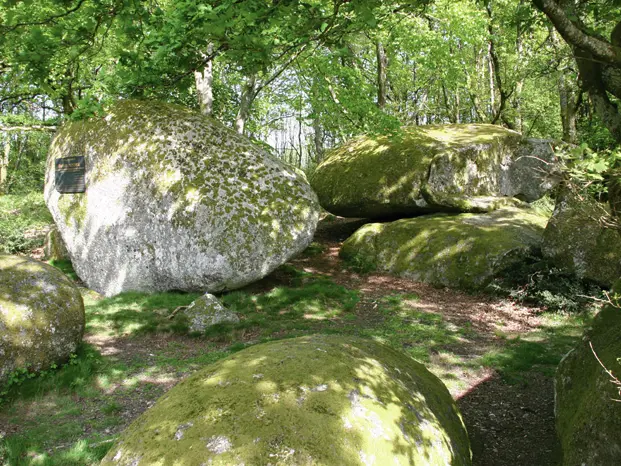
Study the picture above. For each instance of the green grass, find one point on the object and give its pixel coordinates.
(72, 410)
(20, 217)
(136, 313)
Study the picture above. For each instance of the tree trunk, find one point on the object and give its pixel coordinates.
(4, 165)
(204, 85)
(318, 140)
(382, 65)
(495, 71)
(596, 58)
(568, 110)
(247, 99)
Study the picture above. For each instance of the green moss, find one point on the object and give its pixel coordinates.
(312, 400)
(417, 171)
(577, 243)
(587, 417)
(462, 251)
(41, 315)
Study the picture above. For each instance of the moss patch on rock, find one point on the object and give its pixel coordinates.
(463, 251)
(312, 400)
(425, 169)
(41, 315)
(576, 243)
(588, 420)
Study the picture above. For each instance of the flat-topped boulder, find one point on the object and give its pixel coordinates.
(41, 316)
(324, 400)
(427, 169)
(175, 200)
(462, 251)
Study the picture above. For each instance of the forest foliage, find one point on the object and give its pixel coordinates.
(303, 76)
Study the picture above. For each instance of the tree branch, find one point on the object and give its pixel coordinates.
(49, 129)
(575, 36)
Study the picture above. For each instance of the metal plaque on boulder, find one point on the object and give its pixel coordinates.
(70, 175)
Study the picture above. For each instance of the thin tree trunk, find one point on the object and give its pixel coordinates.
(247, 99)
(495, 71)
(318, 139)
(204, 85)
(4, 165)
(382, 65)
(519, 85)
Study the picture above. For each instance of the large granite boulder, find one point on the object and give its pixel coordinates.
(588, 419)
(426, 169)
(41, 316)
(577, 243)
(463, 251)
(321, 399)
(176, 201)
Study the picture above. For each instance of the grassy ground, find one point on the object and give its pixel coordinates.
(133, 353)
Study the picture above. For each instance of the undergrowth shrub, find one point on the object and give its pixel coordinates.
(23, 222)
(538, 282)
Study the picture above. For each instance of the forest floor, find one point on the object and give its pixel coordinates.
(496, 357)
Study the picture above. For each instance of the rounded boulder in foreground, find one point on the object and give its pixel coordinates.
(321, 400)
(176, 201)
(41, 315)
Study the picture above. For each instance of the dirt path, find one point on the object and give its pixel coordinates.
(508, 423)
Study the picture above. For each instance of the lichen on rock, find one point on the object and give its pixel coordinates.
(41, 316)
(176, 201)
(435, 168)
(463, 251)
(207, 311)
(54, 247)
(577, 243)
(321, 400)
(588, 419)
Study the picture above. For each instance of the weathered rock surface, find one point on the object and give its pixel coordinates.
(588, 420)
(575, 241)
(455, 168)
(41, 315)
(176, 201)
(207, 311)
(462, 251)
(311, 400)
(54, 247)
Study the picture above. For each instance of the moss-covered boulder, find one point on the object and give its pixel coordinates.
(577, 243)
(176, 201)
(588, 419)
(426, 169)
(41, 316)
(462, 251)
(321, 400)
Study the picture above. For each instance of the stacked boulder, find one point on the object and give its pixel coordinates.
(175, 200)
(461, 192)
